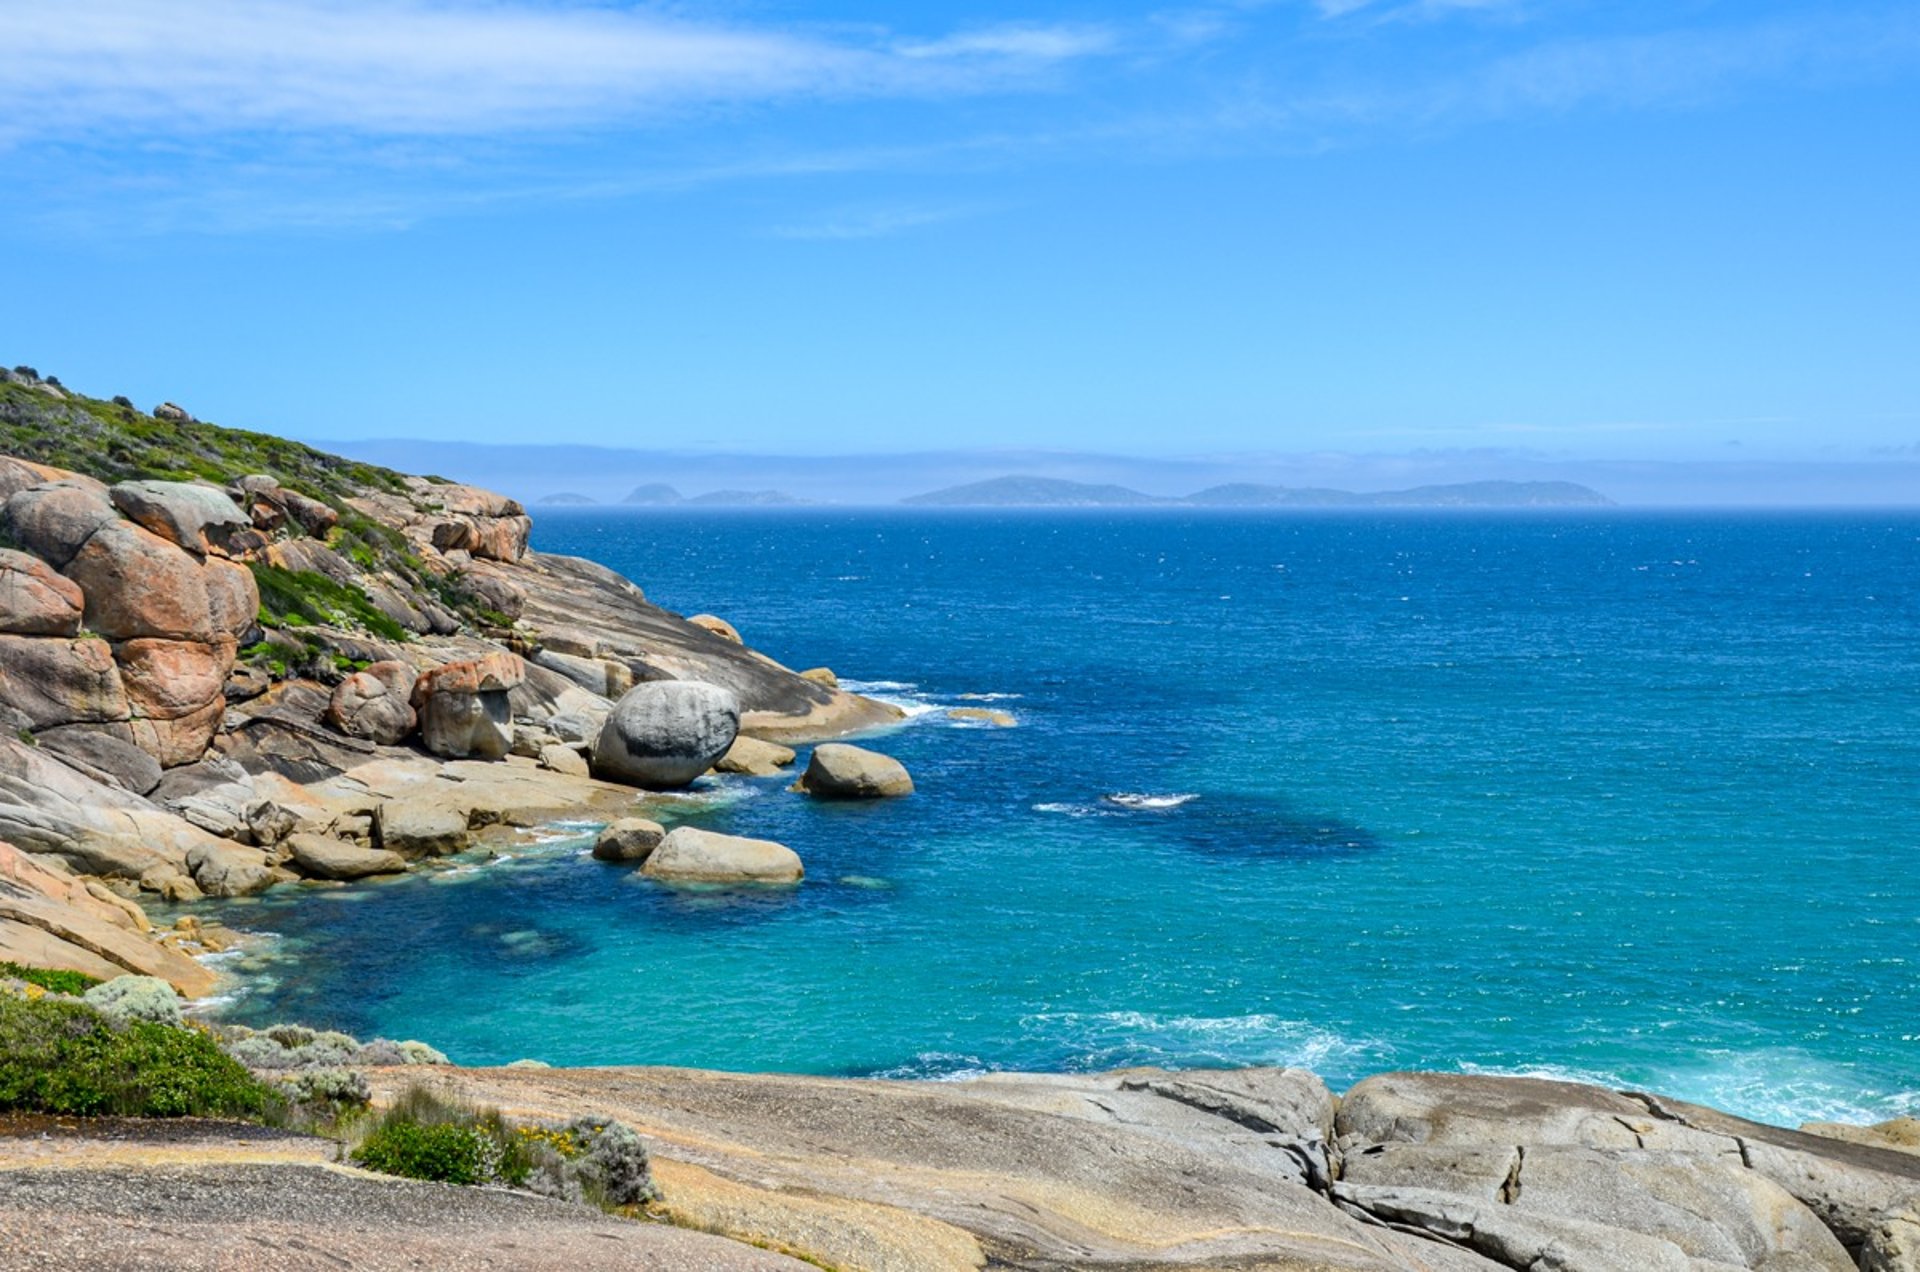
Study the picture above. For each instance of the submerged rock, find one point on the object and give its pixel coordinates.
(663, 734)
(839, 771)
(983, 715)
(688, 855)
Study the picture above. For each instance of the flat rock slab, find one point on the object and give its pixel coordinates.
(263, 1218)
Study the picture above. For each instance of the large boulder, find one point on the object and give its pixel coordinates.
(35, 601)
(53, 681)
(177, 689)
(718, 626)
(324, 857)
(664, 733)
(195, 517)
(51, 919)
(688, 855)
(839, 771)
(463, 707)
(138, 584)
(375, 703)
(54, 520)
(629, 839)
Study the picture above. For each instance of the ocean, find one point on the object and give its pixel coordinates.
(1612, 795)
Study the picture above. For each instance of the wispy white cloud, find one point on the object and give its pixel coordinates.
(851, 224)
(452, 66)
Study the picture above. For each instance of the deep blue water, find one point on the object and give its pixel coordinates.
(1625, 796)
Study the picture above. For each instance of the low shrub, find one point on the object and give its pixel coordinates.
(62, 1056)
(130, 998)
(426, 1136)
(307, 596)
(50, 979)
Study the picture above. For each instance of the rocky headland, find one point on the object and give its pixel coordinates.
(230, 663)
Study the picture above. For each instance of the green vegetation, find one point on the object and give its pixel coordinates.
(59, 982)
(424, 1136)
(111, 441)
(61, 1056)
(301, 597)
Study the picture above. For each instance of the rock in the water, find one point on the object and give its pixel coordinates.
(629, 839)
(753, 758)
(324, 857)
(54, 520)
(839, 771)
(196, 517)
(54, 681)
(463, 708)
(104, 754)
(718, 626)
(34, 601)
(688, 855)
(983, 715)
(375, 703)
(415, 828)
(664, 733)
(228, 870)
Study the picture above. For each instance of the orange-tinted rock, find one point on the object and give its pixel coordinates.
(53, 681)
(463, 708)
(496, 672)
(138, 585)
(18, 474)
(54, 520)
(718, 626)
(179, 741)
(34, 601)
(233, 598)
(169, 679)
(375, 704)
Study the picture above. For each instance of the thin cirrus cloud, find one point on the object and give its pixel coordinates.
(86, 67)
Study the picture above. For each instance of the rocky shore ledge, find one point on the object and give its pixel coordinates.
(1259, 1170)
(229, 662)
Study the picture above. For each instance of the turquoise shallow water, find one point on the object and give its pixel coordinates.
(1616, 795)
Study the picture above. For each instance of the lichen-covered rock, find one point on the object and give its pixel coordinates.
(629, 839)
(197, 518)
(138, 584)
(54, 520)
(463, 707)
(169, 679)
(35, 601)
(54, 681)
(233, 597)
(663, 734)
(375, 703)
(181, 740)
(839, 771)
(324, 857)
(689, 855)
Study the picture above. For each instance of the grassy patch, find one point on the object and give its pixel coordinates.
(424, 1136)
(301, 597)
(51, 979)
(63, 1057)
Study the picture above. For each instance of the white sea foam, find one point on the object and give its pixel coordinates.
(1151, 803)
(907, 698)
(1114, 1039)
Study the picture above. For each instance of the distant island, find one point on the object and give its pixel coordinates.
(661, 495)
(567, 499)
(1049, 492)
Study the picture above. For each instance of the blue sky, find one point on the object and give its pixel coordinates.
(1574, 229)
